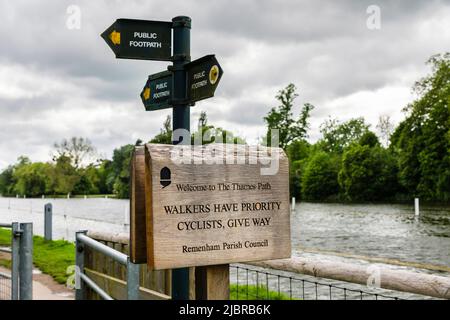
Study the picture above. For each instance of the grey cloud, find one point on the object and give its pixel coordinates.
(323, 47)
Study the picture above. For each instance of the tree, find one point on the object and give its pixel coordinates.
(421, 142)
(105, 177)
(78, 150)
(281, 118)
(33, 179)
(367, 173)
(165, 135)
(65, 175)
(337, 136)
(202, 119)
(385, 129)
(297, 152)
(369, 139)
(120, 170)
(319, 180)
(89, 181)
(207, 133)
(7, 181)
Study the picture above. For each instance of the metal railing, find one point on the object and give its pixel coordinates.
(252, 283)
(132, 282)
(18, 285)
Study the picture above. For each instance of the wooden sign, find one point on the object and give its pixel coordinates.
(202, 212)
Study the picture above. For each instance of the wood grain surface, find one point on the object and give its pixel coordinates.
(215, 213)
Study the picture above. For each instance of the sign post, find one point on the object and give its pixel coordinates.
(179, 87)
(181, 120)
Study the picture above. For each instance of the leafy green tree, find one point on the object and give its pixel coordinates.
(297, 152)
(367, 173)
(120, 170)
(421, 142)
(282, 118)
(338, 136)
(7, 181)
(319, 180)
(89, 182)
(370, 139)
(105, 177)
(65, 175)
(33, 179)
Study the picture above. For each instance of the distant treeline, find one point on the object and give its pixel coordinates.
(75, 168)
(350, 162)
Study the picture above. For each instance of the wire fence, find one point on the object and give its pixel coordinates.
(5, 286)
(260, 284)
(5, 275)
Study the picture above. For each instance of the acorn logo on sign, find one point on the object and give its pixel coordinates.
(165, 177)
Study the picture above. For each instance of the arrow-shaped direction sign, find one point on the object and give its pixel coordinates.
(140, 39)
(157, 91)
(203, 76)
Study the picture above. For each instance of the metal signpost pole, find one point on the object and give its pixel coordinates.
(181, 120)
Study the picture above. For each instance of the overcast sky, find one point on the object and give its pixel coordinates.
(57, 82)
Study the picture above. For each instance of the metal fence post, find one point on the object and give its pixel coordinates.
(80, 286)
(26, 262)
(48, 212)
(15, 248)
(132, 280)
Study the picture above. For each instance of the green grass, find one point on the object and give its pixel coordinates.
(5, 237)
(5, 241)
(51, 257)
(5, 263)
(253, 292)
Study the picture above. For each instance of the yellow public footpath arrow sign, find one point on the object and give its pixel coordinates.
(140, 39)
(157, 91)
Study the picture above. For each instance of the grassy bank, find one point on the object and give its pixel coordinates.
(51, 257)
(253, 292)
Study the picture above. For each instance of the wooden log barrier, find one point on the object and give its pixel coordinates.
(391, 279)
